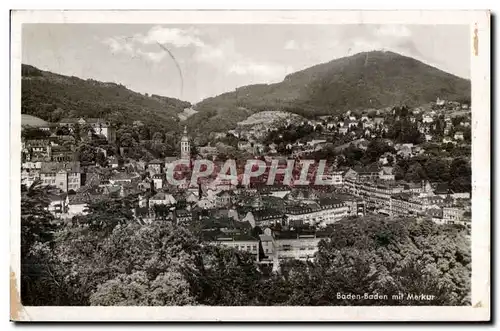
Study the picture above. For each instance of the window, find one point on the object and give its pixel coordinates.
(254, 248)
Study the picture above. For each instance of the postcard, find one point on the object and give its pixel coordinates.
(250, 165)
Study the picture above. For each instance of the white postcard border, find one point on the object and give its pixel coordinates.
(480, 78)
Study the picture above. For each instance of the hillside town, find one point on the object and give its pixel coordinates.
(375, 162)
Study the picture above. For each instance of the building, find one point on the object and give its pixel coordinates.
(335, 178)
(62, 154)
(376, 195)
(183, 215)
(264, 217)
(355, 206)
(99, 126)
(387, 173)
(65, 176)
(185, 146)
(268, 245)
(453, 214)
(285, 245)
(459, 135)
(241, 242)
(405, 204)
(113, 162)
(28, 177)
(225, 199)
(120, 178)
(368, 173)
(39, 149)
(58, 204)
(77, 204)
(158, 181)
(427, 119)
(155, 167)
(448, 140)
(162, 198)
(327, 211)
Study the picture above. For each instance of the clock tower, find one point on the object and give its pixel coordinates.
(185, 146)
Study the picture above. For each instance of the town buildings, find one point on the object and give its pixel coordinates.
(98, 125)
(292, 219)
(65, 176)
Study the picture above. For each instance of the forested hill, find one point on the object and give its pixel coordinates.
(376, 79)
(52, 97)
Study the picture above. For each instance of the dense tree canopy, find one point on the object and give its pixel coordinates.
(108, 259)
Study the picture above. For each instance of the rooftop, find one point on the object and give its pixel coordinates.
(53, 167)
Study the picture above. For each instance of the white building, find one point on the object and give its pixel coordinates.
(185, 146)
(162, 198)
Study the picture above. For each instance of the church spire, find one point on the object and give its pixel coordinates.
(185, 146)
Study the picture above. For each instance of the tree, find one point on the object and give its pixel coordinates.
(415, 173)
(30, 133)
(104, 215)
(87, 153)
(437, 169)
(126, 140)
(137, 289)
(40, 283)
(157, 137)
(101, 159)
(37, 223)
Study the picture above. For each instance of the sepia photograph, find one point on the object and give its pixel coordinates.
(262, 161)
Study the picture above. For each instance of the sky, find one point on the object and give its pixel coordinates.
(193, 62)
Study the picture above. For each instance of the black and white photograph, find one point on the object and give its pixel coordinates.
(250, 164)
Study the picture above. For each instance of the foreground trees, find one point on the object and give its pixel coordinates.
(120, 262)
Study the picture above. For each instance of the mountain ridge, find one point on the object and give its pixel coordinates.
(375, 79)
(52, 96)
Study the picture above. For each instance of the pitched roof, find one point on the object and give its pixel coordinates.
(324, 202)
(56, 197)
(267, 213)
(37, 143)
(79, 198)
(226, 192)
(123, 176)
(442, 188)
(52, 167)
(164, 197)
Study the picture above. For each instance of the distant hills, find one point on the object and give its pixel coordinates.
(52, 97)
(376, 79)
(371, 80)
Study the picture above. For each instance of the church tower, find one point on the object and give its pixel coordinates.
(185, 147)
